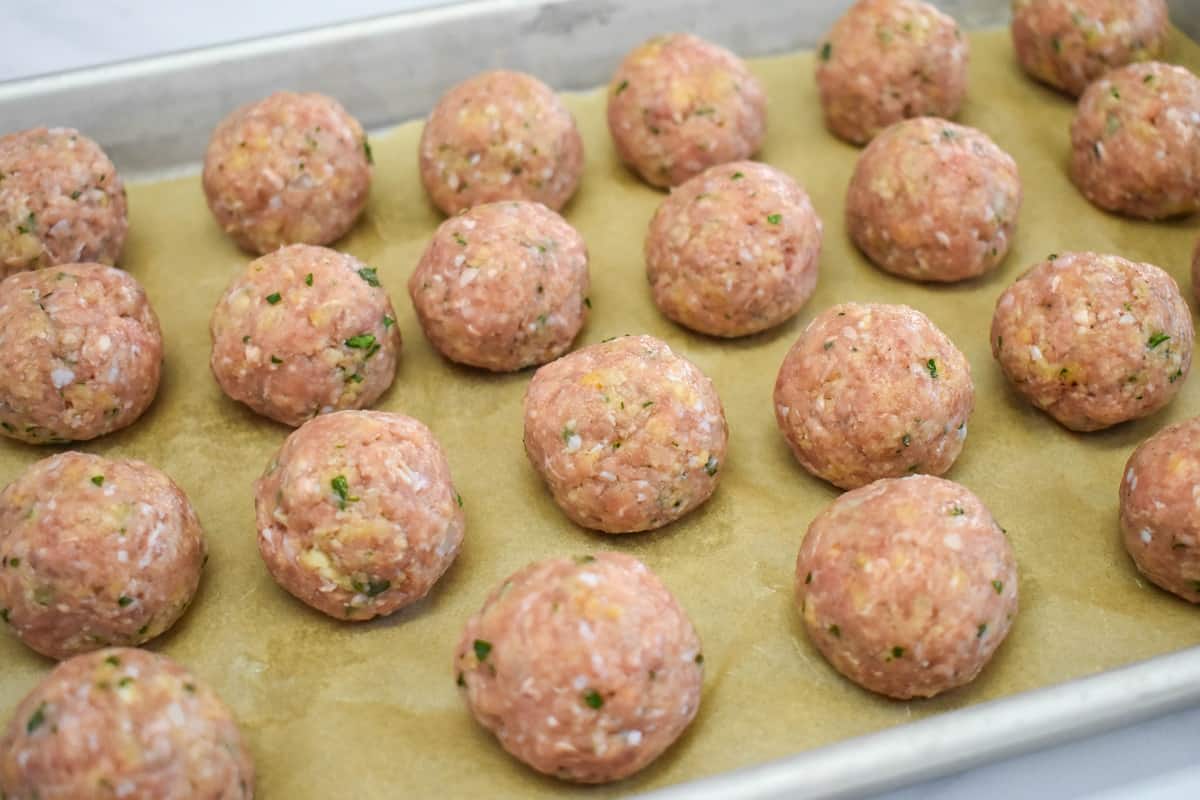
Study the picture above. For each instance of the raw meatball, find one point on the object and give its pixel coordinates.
(888, 60)
(61, 201)
(304, 331)
(357, 515)
(500, 136)
(291, 168)
(1159, 516)
(907, 586)
(1136, 141)
(586, 669)
(123, 723)
(80, 353)
(1070, 43)
(734, 250)
(679, 105)
(94, 552)
(1094, 340)
(627, 435)
(934, 201)
(502, 286)
(873, 391)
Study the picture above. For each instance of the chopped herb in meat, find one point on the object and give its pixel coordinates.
(835, 631)
(363, 341)
(341, 488)
(622, 86)
(369, 275)
(458, 499)
(826, 51)
(593, 700)
(276, 359)
(124, 600)
(931, 365)
(998, 586)
(1156, 339)
(482, 649)
(308, 279)
(775, 219)
(981, 630)
(36, 719)
(458, 237)
(273, 298)
(957, 511)
(372, 588)
(388, 322)
(98, 480)
(897, 652)
(367, 151)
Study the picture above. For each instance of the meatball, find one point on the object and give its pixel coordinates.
(1070, 43)
(934, 201)
(304, 331)
(627, 435)
(123, 723)
(61, 201)
(95, 552)
(502, 286)
(888, 60)
(1094, 340)
(1135, 142)
(679, 105)
(291, 168)
(500, 136)
(80, 353)
(734, 250)
(1160, 520)
(907, 585)
(356, 514)
(586, 669)
(873, 391)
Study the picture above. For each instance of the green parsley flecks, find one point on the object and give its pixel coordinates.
(274, 297)
(36, 719)
(1156, 339)
(369, 275)
(593, 700)
(482, 649)
(341, 489)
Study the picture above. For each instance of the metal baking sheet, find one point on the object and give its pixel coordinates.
(154, 116)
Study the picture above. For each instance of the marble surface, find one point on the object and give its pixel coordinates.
(1155, 760)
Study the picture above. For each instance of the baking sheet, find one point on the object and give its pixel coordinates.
(372, 709)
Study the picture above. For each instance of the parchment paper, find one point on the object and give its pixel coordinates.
(370, 711)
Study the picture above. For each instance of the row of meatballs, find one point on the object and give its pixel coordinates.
(585, 668)
(296, 168)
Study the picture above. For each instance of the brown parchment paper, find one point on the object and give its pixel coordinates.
(371, 710)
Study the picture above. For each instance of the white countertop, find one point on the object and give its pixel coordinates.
(1152, 761)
